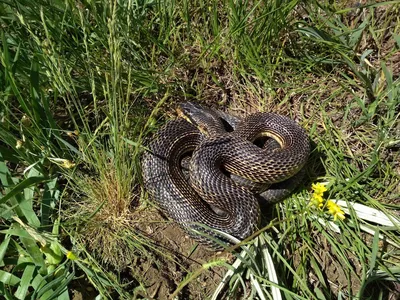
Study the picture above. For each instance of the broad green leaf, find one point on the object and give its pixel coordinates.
(56, 252)
(26, 279)
(7, 181)
(23, 255)
(25, 204)
(6, 212)
(29, 191)
(397, 39)
(30, 230)
(34, 251)
(38, 281)
(8, 278)
(53, 253)
(391, 89)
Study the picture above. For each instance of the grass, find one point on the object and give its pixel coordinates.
(85, 84)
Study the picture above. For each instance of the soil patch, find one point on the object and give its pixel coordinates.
(174, 256)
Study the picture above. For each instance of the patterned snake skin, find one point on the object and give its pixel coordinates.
(216, 196)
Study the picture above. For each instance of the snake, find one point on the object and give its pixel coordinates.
(218, 197)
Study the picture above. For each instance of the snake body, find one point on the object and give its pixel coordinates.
(212, 199)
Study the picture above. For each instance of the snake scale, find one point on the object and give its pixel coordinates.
(225, 169)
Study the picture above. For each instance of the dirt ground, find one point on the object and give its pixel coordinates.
(183, 256)
(171, 257)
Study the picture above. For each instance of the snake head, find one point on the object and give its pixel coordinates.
(205, 119)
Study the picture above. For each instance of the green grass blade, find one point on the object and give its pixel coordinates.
(59, 286)
(374, 254)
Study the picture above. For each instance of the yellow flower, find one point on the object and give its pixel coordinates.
(335, 210)
(19, 144)
(318, 188)
(71, 255)
(317, 200)
(68, 164)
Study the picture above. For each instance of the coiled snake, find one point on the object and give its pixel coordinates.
(218, 195)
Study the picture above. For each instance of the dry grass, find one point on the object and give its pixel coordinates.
(104, 216)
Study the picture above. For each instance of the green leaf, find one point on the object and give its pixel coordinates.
(29, 191)
(397, 39)
(26, 279)
(15, 231)
(35, 106)
(50, 196)
(68, 145)
(4, 172)
(8, 70)
(357, 33)
(64, 295)
(3, 247)
(320, 295)
(17, 202)
(38, 281)
(4, 292)
(53, 253)
(8, 154)
(6, 212)
(62, 288)
(375, 249)
(389, 80)
(365, 54)
(21, 186)
(34, 251)
(8, 278)
(26, 202)
(23, 255)
(59, 284)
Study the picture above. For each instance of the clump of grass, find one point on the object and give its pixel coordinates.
(104, 215)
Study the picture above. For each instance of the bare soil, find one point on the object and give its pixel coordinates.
(179, 257)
